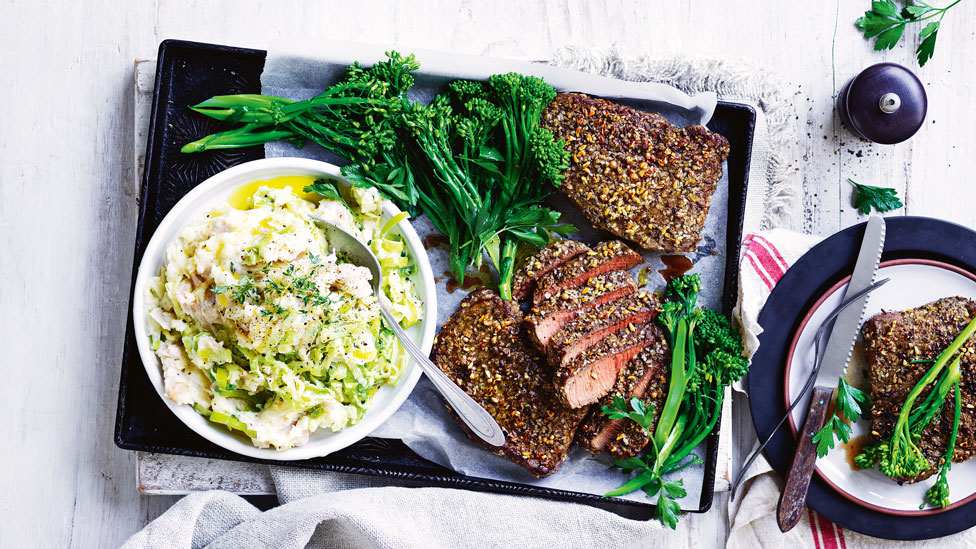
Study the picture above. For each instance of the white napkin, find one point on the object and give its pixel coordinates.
(766, 257)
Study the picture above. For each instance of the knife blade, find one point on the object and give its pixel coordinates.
(840, 344)
(836, 357)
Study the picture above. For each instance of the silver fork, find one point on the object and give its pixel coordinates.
(471, 413)
(818, 339)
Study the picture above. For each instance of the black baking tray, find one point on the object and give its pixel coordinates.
(190, 72)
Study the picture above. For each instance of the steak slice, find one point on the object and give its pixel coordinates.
(635, 174)
(891, 342)
(551, 315)
(480, 349)
(646, 377)
(612, 255)
(548, 258)
(589, 327)
(588, 377)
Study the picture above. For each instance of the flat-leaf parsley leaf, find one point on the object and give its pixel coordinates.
(886, 22)
(883, 199)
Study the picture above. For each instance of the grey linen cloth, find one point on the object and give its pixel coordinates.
(390, 517)
(323, 509)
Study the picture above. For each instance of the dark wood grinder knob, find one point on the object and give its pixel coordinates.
(885, 103)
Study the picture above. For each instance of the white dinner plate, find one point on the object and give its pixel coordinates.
(914, 282)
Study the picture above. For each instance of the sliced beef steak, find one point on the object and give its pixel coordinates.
(552, 314)
(480, 348)
(892, 341)
(548, 258)
(635, 174)
(612, 255)
(646, 377)
(591, 326)
(590, 375)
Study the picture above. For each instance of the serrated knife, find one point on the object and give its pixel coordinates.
(837, 355)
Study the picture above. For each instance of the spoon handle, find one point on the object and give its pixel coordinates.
(471, 413)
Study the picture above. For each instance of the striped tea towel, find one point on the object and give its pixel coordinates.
(766, 257)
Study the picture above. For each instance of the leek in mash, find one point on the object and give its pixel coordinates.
(262, 329)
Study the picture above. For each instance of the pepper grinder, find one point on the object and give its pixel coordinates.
(885, 103)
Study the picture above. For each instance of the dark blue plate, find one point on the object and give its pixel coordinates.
(799, 289)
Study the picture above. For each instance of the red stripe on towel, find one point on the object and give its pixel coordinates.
(775, 252)
(759, 270)
(765, 256)
(813, 528)
(827, 532)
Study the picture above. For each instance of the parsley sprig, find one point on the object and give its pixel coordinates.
(886, 22)
(651, 478)
(328, 188)
(883, 199)
(639, 414)
(848, 407)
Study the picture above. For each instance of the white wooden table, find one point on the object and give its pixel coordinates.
(68, 204)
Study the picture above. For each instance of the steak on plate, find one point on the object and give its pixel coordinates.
(892, 340)
(646, 377)
(612, 255)
(546, 259)
(480, 349)
(635, 174)
(544, 320)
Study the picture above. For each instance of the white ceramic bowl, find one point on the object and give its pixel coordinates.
(216, 191)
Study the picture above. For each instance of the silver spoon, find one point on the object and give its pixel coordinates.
(474, 416)
(818, 339)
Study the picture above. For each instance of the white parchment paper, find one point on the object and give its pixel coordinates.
(423, 423)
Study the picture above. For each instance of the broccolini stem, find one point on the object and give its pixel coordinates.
(922, 415)
(245, 136)
(677, 383)
(931, 375)
(506, 268)
(700, 433)
(938, 494)
(661, 459)
(635, 483)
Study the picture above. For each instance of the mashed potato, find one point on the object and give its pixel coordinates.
(263, 329)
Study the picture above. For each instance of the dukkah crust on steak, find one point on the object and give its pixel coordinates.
(612, 255)
(646, 377)
(635, 174)
(590, 375)
(892, 341)
(480, 348)
(546, 319)
(591, 326)
(548, 258)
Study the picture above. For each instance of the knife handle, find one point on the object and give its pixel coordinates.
(794, 496)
